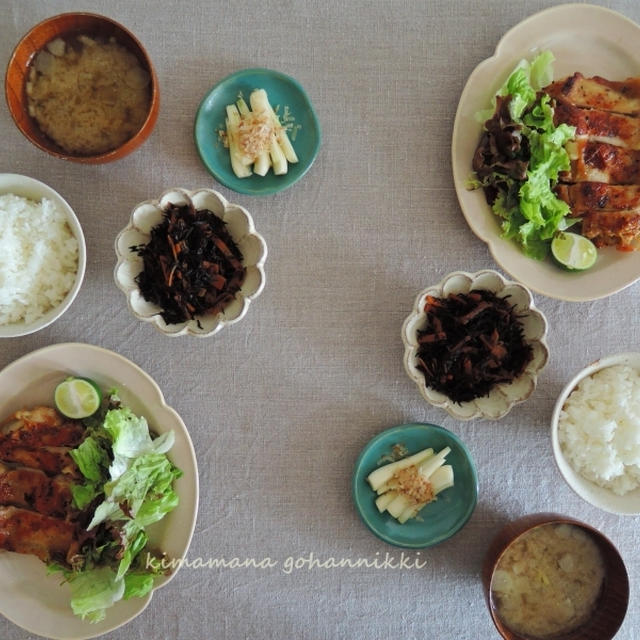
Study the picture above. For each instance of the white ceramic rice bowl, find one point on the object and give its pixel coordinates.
(605, 499)
(33, 189)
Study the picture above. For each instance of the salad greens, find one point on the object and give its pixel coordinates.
(128, 485)
(520, 156)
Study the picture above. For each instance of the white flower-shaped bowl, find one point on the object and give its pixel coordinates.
(504, 396)
(147, 215)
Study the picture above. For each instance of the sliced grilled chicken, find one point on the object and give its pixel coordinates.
(33, 489)
(29, 532)
(41, 426)
(598, 93)
(602, 162)
(598, 125)
(620, 229)
(610, 214)
(587, 197)
(51, 460)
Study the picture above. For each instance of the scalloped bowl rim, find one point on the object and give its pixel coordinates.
(191, 326)
(452, 408)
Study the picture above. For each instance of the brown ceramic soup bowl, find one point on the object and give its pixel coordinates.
(68, 25)
(611, 605)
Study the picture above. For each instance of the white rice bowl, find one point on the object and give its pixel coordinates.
(595, 433)
(42, 255)
(599, 428)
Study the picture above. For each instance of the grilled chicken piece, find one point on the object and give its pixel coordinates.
(620, 229)
(598, 125)
(601, 162)
(33, 489)
(48, 538)
(598, 93)
(587, 197)
(51, 460)
(41, 426)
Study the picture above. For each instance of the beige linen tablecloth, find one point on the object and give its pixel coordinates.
(280, 405)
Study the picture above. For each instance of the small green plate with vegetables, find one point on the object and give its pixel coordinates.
(421, 526)
(295, 115)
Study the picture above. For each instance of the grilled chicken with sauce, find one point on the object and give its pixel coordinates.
(620, 229)
(51, 460)
(41, 426)
(602, 187)
(36, 474)
(598, 125)
(598, 93)
(586, 197)
(34, 489)
(48, 538)
(601, 162)
(609, 214)
(40, 438)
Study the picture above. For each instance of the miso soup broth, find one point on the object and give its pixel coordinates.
(87, 94)
(548, 580)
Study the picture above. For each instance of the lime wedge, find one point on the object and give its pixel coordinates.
(77, 398)
(573, 251)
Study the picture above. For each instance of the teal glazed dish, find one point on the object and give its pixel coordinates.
(437, 521)
(284, 93)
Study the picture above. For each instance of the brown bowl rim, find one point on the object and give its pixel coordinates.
(130, 145)
(513, 530)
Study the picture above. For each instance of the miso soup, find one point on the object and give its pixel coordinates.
(548, 581)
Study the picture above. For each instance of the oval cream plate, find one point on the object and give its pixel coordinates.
(586, 38)
(28, 597)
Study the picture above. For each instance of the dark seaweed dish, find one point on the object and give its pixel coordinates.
(192, 265)
(471, 343)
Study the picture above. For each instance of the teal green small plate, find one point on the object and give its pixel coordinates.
(439, 520)
(283, 91)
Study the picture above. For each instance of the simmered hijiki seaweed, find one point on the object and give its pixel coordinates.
(192, 265)
(472, 342)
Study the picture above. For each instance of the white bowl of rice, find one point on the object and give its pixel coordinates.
(42, 255)
(595, 433)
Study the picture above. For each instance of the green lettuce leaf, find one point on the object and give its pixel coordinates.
(541, 70)
(521, 92)
(125, 466)
(132, 550)
(94, 591)
(91, 458)
(84, 494)
(131, 438)
(137, 585)
(523, 82)
(143, 491)
(529, 210)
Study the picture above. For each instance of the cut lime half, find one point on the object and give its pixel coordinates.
(77, 398)
(573, 251)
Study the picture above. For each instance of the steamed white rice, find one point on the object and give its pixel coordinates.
(38, 258)
(599, 428)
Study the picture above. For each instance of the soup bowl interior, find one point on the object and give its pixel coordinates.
(67, 25)
(610, 607)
